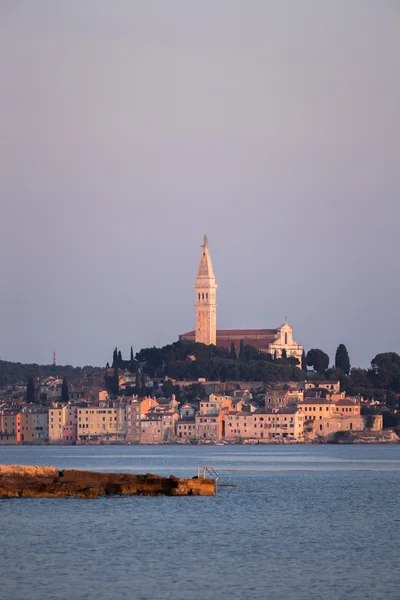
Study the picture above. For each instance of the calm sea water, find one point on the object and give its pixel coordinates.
(304, 522)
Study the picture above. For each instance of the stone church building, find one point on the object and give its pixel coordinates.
(266, 340)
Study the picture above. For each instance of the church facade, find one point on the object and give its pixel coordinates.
(272, 341)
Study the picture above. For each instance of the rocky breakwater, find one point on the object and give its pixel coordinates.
(19, 481)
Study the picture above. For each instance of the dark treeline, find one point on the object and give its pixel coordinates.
(15, 372)
(187, 361)
(381, 381)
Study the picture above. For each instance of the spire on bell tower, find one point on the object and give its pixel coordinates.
(206, 299)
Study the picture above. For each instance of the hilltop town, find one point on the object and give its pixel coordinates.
(211, 386)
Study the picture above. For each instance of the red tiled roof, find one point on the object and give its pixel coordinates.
(345, 402)
(317, 401)
(323, 381)
(259, 338)
(288, 410)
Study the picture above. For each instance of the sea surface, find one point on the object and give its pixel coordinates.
(304, 522)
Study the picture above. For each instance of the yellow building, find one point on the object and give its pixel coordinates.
(8, 426)
(32, 426)
(62, 423)
(105, 423)
(328, 385)
(316, 409)
(325, 417)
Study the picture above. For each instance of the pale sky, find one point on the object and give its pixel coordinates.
(128, 129)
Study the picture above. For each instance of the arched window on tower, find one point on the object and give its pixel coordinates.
(286, 338)
(206, 295)
(202, 296)
(199, 296)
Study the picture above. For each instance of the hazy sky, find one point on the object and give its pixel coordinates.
(128, 129)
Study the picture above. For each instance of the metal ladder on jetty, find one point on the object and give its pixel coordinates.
(204, 472)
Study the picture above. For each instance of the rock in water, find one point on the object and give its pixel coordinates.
(19, 481)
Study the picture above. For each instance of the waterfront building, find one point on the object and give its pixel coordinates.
(186, 429)
(286, 424)
(158, 426)
(8, 426)
(105, 423)
(240, 425)
(32, 425)
(133, 425)
(63, 423)
(325, 417)
(265, 425)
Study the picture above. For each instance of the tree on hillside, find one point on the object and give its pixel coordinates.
(385, 371)
(242, 352)
(317, 359)
(303, 362)
(64, 390)
(284, 354)
(143, 389)
(115, 383)
(392, 399)
(232, 352)
(342, 360)
(132, 363)
(115, 358)
(137, 382)
(30, 391)
(168, 388)
(120, 361)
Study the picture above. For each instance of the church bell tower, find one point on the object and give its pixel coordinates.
(206, 299)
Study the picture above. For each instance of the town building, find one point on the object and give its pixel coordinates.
(286, 424)
(63, 420)
(32, 426)
(8, 426)
(265, 425)
(158, 427)
(101, 424)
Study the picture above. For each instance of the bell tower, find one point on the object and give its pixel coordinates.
(206, 299)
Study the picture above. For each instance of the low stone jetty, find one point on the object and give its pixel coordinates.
(20, 481)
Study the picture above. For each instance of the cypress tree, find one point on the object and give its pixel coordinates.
(64, 390)
(30, 391)
(303, 362)
(342, 360)
(242, 352)
(120, 361)
(132, 362)
(284, 354)
(143, 389)
(115, 385)
(232, 352)
(115, 357)
(138, 382)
